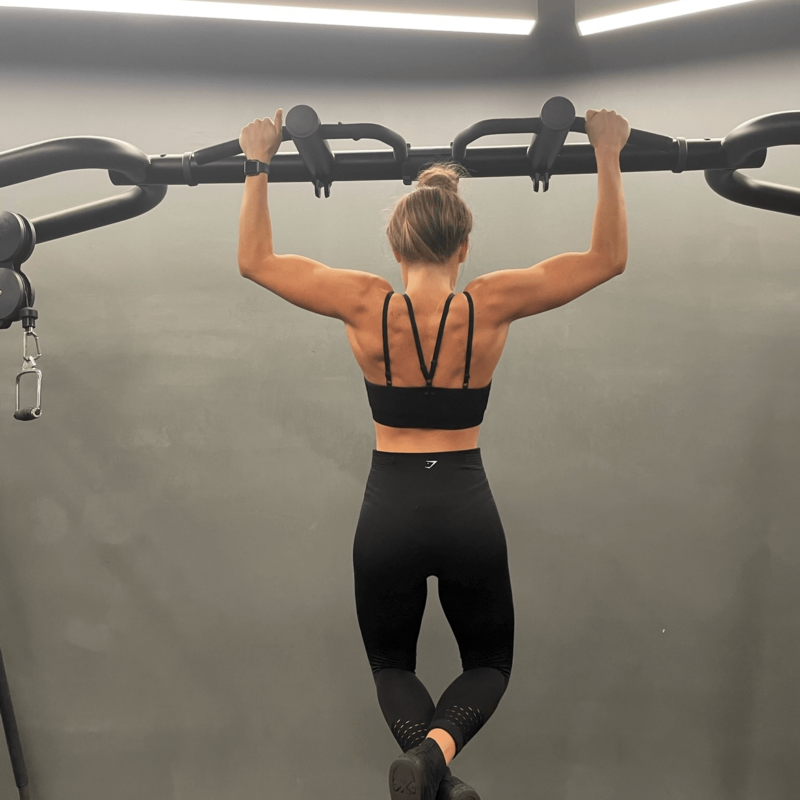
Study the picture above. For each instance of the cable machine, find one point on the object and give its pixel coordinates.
(150, 176)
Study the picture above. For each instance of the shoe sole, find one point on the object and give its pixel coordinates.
(404, 781)
(465, 794)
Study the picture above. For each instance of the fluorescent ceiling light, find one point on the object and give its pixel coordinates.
(313, 16)
(642, 15)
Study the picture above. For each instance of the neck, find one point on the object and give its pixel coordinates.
(430, 279)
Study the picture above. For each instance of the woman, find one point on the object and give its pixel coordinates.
(428, 509)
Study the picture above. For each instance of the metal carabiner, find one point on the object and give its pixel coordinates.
(29, 368)
(26, 358)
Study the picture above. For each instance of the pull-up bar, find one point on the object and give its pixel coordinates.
(548, 154)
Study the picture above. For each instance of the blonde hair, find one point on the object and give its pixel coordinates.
(432, 222)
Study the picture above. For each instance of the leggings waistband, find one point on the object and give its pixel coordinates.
(449, 457)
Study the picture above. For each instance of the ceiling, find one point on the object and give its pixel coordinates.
(75, 39)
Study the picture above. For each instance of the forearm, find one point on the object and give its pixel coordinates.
(255, 227)
(610, 230)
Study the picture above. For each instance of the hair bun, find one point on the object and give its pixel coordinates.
(443, 176)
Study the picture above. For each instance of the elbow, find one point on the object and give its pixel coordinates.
(618, 264)
(245, 261)
(249, 266)
(611, 263)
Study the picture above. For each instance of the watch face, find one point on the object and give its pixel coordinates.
(252, 167)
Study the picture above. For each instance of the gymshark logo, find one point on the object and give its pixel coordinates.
(430, 464)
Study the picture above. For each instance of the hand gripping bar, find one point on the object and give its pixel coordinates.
(310, 136)
(749, 138)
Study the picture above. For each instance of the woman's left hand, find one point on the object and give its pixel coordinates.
(261, 139)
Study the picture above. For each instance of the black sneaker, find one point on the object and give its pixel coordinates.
(451, 788)
(416, 775)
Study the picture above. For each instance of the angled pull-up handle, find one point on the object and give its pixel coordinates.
(310, 136)
(491, 127)
(554, 113)
(355, 131)
(550, 131)
(302, 127)
(771, 130)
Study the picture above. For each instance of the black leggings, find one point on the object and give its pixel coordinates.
(433, 514)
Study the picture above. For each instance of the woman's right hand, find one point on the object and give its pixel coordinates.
(261, 139)
(607, 129)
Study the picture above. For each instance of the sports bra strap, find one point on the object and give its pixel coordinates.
(469, 338)
(386, 339)
(428, 375)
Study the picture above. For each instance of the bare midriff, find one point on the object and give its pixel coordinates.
(423, 440)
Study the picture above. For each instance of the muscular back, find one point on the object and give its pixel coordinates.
(366, 340)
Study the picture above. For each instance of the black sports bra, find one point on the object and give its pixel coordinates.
(427, 406)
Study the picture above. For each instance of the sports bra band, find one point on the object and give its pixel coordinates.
(386, 338)
(469, 339)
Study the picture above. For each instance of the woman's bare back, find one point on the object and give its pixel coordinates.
(366, 341)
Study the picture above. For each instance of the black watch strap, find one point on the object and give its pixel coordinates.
(253, 167)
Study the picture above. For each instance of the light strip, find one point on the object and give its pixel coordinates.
(642, 15)
(313, 16)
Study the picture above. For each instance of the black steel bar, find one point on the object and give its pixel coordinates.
(771, 130)
(71, 153)
(483, 162)
(88, 217)
(745, 147)
(731, 185)
(11, 731)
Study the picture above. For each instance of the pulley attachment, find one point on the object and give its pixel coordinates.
(17, 240)
(16, 293)
(28, 317)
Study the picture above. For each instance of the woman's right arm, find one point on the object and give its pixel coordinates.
(513, 294)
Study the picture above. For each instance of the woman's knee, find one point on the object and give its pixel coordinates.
(381, 663)
(501, 663)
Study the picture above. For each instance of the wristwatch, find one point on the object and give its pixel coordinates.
(253, 167)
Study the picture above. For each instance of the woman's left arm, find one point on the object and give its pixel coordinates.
(339, 293)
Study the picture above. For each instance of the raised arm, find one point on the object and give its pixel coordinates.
(513, 294)
(339, 293)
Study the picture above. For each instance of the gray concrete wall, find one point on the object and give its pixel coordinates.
(176, 604)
